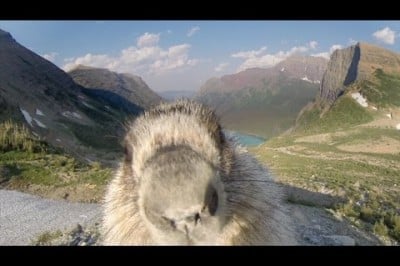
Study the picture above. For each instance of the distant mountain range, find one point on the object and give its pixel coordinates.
(129, 86)
(264, 101)
(87, 122)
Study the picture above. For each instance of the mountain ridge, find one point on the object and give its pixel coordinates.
(353, 63)
(83, 122)
(129, 86)
(361, 77)
(264, 101)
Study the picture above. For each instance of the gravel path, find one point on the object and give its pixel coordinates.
(23, 216)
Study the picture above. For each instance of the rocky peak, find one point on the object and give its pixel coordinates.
(353, 63)
(4, 35)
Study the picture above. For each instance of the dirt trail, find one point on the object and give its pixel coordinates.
(23, 216)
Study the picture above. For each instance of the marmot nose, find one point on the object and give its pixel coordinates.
(187, 223)
(195, 218)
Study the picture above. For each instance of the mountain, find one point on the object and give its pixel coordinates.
(129, 86)
(346, 143)
(360, 84)
(356, 62)
(264, 102)
(84, 122)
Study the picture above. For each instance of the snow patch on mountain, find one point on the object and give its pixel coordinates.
(360, 99)
(27, 116)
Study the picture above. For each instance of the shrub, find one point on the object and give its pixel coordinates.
(380, 228)
(367, 214)
(18, 137)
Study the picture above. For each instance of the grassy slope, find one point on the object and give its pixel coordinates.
(384, 89)
(30, 165)
(313, 157)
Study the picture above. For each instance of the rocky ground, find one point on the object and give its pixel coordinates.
(318, 227)
(30, 220)
(24, 217)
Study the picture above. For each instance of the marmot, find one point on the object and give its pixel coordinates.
(184, 182)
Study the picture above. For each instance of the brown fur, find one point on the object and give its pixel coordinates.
(251, 205)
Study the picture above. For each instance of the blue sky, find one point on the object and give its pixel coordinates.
(182, 55)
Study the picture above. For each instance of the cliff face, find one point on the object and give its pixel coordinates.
(356, 62)
(341, 70)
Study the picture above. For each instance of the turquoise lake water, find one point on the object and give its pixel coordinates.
(248, 140)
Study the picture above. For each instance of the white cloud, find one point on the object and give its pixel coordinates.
(145, 58)
(50, 56)
(335, 47)
(249, 54)
(148, 39)
(313, 44)
(385, 35)
(327, 55)
(103, 61)
(175, 57)
(258, 58)
(221, 67)
(352, 41)
(192, 31)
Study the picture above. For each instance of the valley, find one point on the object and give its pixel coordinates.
(328, 130)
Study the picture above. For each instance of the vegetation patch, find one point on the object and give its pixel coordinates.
(96, 137)
(29, 164)
(383, 90)
(344, 114)
(47, 238)
(369, 182)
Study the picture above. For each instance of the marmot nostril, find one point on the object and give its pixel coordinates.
(197, 219)
(213, 203)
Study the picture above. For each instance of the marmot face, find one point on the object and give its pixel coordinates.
(183, 182)
(182, 197)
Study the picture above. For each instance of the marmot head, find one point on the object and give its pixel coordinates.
(184, 183)
(174, 153)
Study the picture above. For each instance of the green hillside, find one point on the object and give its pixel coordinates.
(344, 113)
(31, 165)
(351, 152)
(383, 90)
